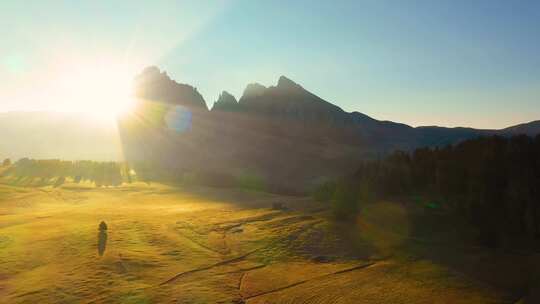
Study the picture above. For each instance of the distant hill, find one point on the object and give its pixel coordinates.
(532, 128)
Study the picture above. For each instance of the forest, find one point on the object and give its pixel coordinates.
(104, 174)
(493, 182)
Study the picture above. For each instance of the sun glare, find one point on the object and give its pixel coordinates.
(99, 92)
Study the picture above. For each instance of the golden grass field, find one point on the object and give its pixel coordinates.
(170, 244)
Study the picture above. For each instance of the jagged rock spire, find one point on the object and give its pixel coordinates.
(225, 102)
(154, 85)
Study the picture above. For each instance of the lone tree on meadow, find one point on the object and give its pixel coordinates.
(7, 162)
(102, 238)
(102, 226)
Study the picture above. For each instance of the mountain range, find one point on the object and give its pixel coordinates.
(283, 134)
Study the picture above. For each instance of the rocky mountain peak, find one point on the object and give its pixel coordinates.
(225, 102)
(153, 85)
(286, 83)
(253, 90)
(226, 97)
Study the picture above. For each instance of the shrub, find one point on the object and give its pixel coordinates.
(345, 201)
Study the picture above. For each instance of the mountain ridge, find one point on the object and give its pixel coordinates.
(283, 134)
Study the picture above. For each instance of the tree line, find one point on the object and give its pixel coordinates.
(55, 170)
(494, 182)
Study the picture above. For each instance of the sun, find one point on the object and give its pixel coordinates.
(102, 92)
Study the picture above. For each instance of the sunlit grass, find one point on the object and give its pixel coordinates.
(49, 252)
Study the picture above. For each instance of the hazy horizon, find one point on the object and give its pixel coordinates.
(451, 64)
(111, 121)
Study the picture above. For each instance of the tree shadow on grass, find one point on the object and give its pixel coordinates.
(448, 240)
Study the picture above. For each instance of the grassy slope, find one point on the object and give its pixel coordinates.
(166, 244)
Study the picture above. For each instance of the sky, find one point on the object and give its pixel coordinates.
(420, 62)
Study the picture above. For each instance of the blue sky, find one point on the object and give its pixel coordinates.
(451, 63)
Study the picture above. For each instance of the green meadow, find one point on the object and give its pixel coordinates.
(172, 244)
